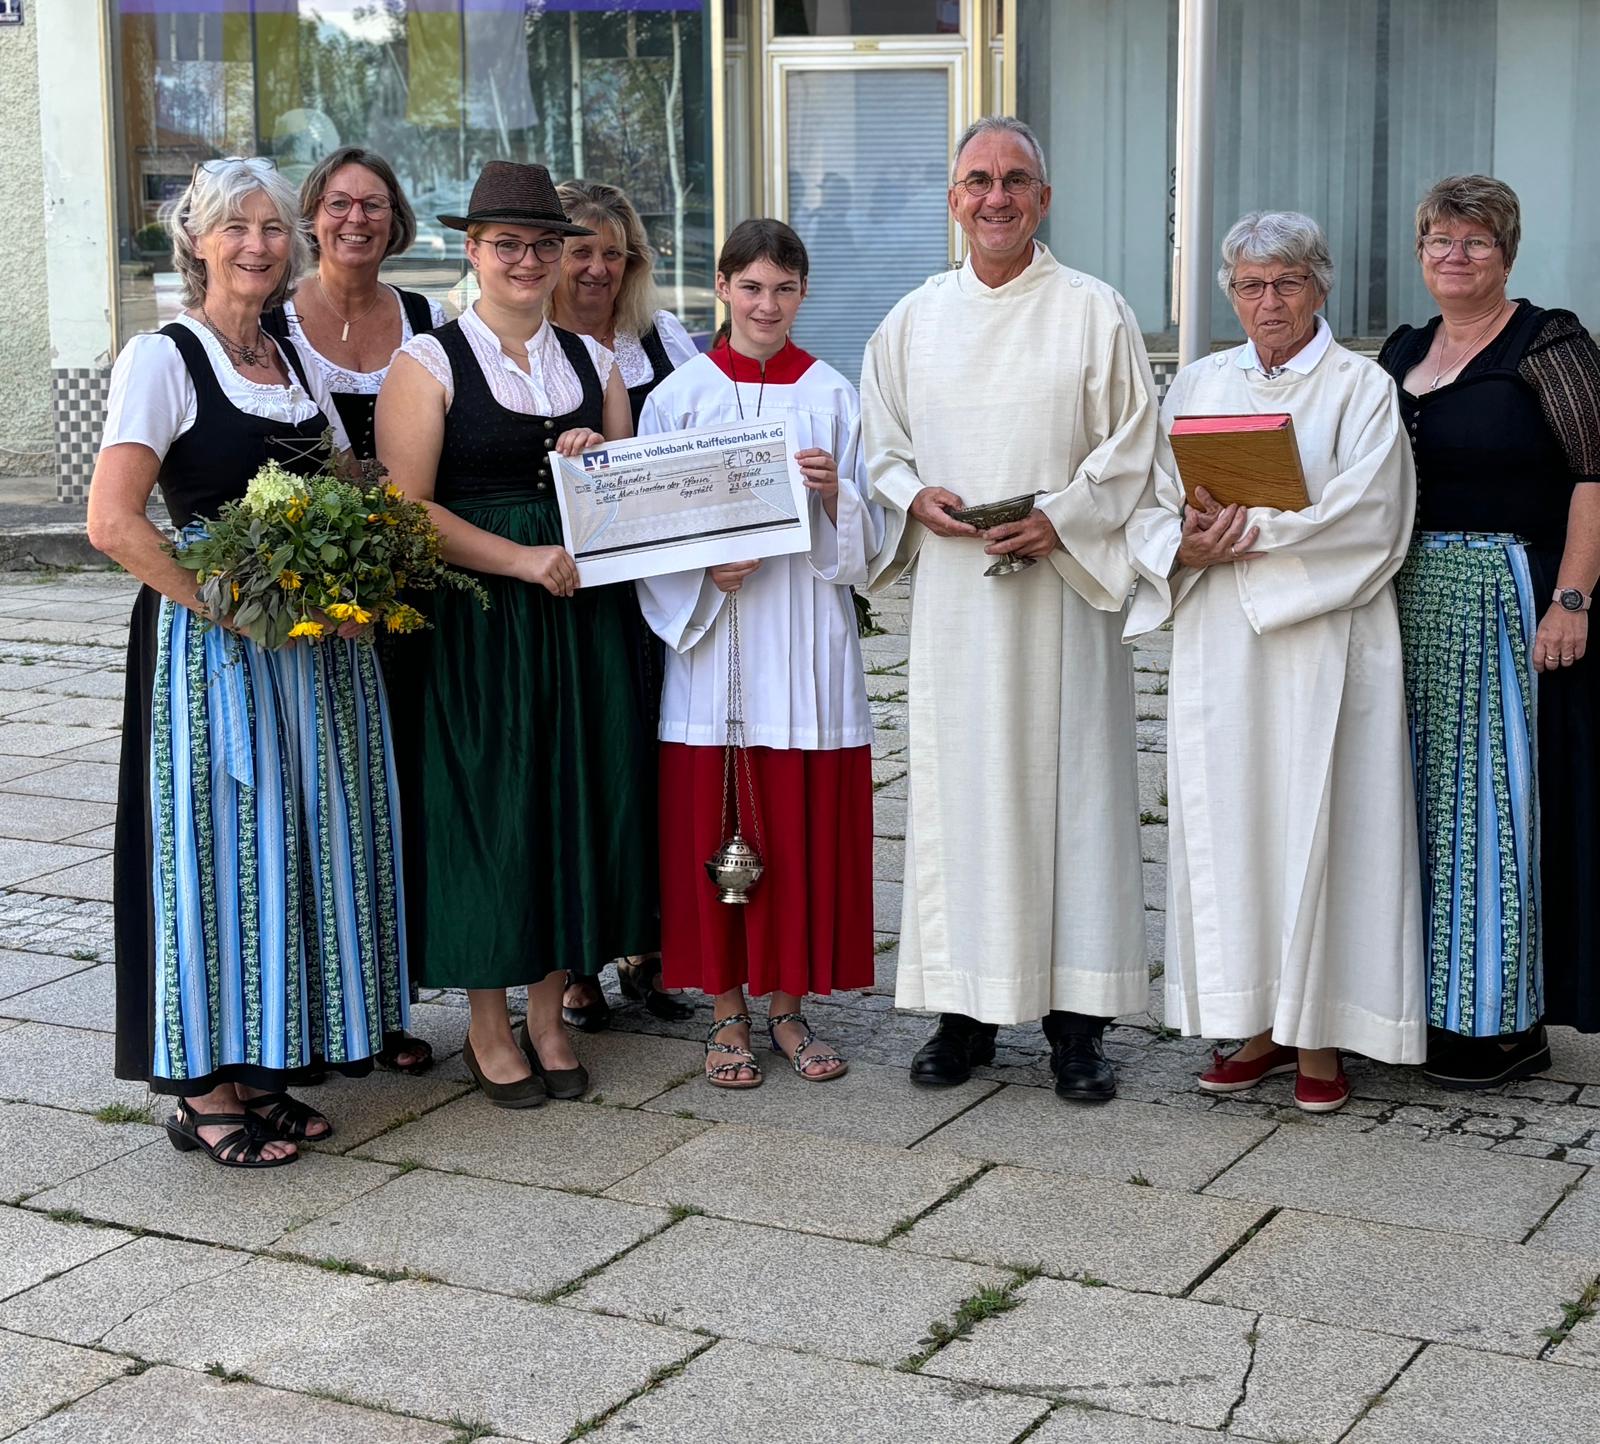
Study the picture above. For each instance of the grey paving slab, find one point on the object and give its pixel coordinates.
(21, 971)
(363, 1108)
(1581, 1347)
(63, 1067)
(18, 676)
(83, 1306)
(630, 1068)
(86, 999)
(1449, 1288)
(796, 1180)
(1084, 1425)
(1574, 1227)
(1574, 1056)
(790, 1398)
(1033, 1128)
(1310, 1382)
(102, 713)
(178, 1406)
(480, 1233)
(33, 1248)
(42, 739)
(14, 768)
(41, 1375)
(1419, 1185)
(103, 682)
(1460, 1396)
(188, 1195)
(1136, 1353)
(528, 1370)
(50, 819)
(872, 1104)
(90, 781)
(41, 1147)
(21, 860)
(105, 837)
(769, 1286)
(1153, 1239)
(46, 629)
(88, 879)
(110, 750)
(577, 1146)
(19, 702)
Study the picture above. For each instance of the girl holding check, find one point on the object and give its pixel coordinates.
(807, 795)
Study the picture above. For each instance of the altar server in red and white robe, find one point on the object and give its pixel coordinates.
(807, 927)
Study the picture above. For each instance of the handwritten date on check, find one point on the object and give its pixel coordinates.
(683, 499)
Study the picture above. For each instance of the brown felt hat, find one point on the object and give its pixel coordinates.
(518, 195)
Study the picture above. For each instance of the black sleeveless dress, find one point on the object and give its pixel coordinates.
(660, 368)
(1499, 450)
(257, 890)
(530, 766)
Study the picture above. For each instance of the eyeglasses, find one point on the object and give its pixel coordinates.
(1254, 289)
(546, 248)
(1014, 182)
(1474, 248)
(337, 203)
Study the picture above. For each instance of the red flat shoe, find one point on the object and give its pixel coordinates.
(1229, 1075)
(1321, 1095)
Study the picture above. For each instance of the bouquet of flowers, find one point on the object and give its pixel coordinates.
(299, 555)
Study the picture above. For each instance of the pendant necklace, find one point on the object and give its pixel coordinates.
(733, 373)
(1439, 370)
(344, 335)
(253, 354)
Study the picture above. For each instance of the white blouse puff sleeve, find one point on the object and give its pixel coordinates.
(152, 398)
(550, 387)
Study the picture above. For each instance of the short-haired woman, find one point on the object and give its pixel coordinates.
(1292, 908)
(607, 291)
(242, 834)
(346, 323)
(529, 788)
(1501, 401)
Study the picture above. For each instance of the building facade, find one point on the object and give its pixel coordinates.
(836, 115)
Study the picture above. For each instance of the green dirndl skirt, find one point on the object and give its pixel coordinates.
(527, 746)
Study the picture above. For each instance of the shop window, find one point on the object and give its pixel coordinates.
(617, 93)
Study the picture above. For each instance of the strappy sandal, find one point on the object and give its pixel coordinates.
(242, 1148)
(726, 1075)
(287, 1118)
(398, 1041)
(796, 1061)
(641, 983)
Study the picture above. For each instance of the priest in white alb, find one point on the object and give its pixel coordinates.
(1293, 899)
(1010, 376)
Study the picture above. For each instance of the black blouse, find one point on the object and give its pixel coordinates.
(1500, 448)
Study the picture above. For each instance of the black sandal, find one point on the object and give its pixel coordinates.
(287, 1118)
(240, 1149)
(398, 1041)
(641, 981)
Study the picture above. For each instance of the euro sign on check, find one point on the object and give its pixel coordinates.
(651, 505)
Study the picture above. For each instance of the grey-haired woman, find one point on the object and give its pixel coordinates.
(257, 889)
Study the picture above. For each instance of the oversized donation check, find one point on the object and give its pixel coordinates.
(683, 499)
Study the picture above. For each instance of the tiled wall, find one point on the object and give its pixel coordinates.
(78, 396)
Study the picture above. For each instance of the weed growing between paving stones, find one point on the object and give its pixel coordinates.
(1138, 1180)
(1574, 1312)
(64, 1215)
(658, 1377)
(987, 1303)
(407, 1165)
(228, 1376)
(885, 945)
(84, 955)
(1147, 818)
(122, 1113)
(469, 1431)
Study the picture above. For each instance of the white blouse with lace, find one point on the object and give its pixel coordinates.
(328, 376)
(549, 387)
(152, 398)
(635, 364)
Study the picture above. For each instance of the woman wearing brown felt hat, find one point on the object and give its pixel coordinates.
(530, 773)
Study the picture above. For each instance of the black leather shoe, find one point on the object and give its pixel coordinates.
(1467, 1065)
(1083, 1073)
(946, 1059)
(592, 1017)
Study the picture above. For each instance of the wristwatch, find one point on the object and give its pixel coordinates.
(1571, 599)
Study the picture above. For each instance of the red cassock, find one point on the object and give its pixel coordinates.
(808, 925)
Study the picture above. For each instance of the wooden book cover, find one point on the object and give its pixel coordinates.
(1248, 460)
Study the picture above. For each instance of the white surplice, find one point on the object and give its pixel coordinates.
(1023, 888)
(800, 658)
(1293, 899)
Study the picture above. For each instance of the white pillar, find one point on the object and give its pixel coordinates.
(80, 227)
(1195, 274)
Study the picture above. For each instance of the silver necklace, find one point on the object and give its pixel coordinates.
(1439, 370)
(253, 354)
